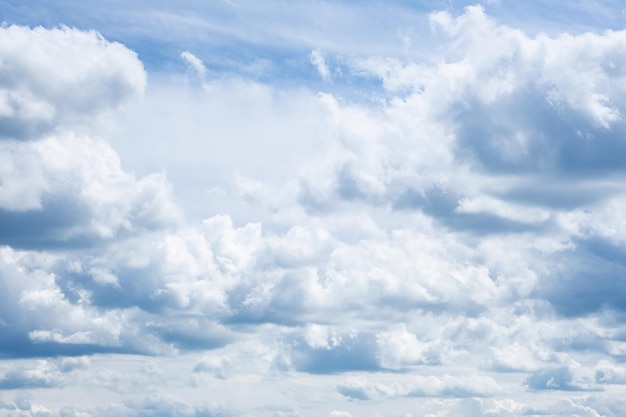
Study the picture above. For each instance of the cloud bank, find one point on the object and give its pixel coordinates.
(447, 241)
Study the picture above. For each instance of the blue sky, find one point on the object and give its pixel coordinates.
(311, 208)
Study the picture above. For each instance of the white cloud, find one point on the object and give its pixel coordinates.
(101, 77)
(43, 373)
(319, 337)
(79, 183)
(337, 413)
(194, 63)
(318, 60)
(444, 242)
(400, 348)
(419, 386)
(71, 183)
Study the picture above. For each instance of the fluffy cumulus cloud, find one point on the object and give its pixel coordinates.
(63, 75)
(60, 183)
(435, 233)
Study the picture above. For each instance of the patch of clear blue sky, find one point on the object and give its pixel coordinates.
(271, 40)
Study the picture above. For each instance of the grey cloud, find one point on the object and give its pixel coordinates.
(588, 281)
(21, 346)
(191, 333)
(23, 401)
(38, 374)
(558, 194)
(6, 406)
(313, 201)
(22, 380)
(47, 228)
(442, 205)
(134, 287)
(434, 201)
(20, 129)
(353, 391)
(555, 379)
(348, 187)
(356, 353)
(66, 365)
(118, 282)
(47, 325)
(607, 372)
(573, 377)
(523, 132)
(561, 378)
(16, 344)
(486, 223)
(281, 299)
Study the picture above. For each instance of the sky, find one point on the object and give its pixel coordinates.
(312, 208)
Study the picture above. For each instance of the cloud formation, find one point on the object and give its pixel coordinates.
(447, 243)
(84, 77)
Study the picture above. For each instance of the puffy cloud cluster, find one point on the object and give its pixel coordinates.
(62, 190)
(52, 77)
(42, 374)
(451, 246)
(59, 185)
(507, 116)
(518, 144)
